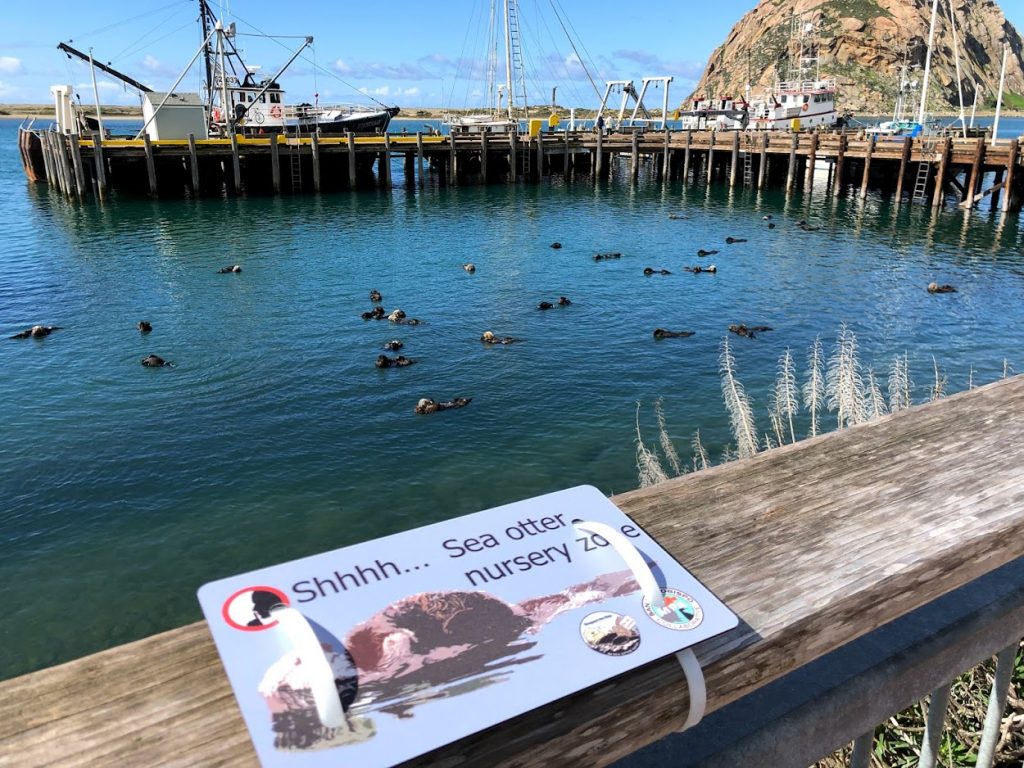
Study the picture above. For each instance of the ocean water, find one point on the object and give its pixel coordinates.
(122, 488)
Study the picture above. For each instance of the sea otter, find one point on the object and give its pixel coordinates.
(375, 295)
(393, 345)
(767, 217)
(711, 269)
(377, 313)
(556, 245)
(144, 326)
(383, 361)
(771, 225)
(652, 271)
(471, 268)
(742, 330)
(226, 270)
(563, 301)
(702, 252)
(37, 332)
(731, 240)
(807, 227)
(426, 405)
(936, 288)
(490, 338)
(397, 316)
(155, 361)
(661, 333)
(606, 256)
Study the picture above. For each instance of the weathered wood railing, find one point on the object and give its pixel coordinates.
(813, 545)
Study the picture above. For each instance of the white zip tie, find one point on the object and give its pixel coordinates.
(652, 592)
(317, 669)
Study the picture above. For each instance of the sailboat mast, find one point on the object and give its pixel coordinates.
(508, 61)
(204, 22)
(492, 60)
(928, 62)
(225, 104)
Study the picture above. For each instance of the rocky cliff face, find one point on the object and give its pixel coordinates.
(862, 44)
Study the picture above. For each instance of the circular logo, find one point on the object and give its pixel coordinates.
(275, 111)
(610, 633)
(680, 612)
(249, 609)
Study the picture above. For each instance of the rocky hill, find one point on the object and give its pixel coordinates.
(862, 44)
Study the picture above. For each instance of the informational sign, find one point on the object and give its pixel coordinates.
(445, 630)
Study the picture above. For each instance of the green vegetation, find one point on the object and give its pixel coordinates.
(1011, 100)
(858, 9)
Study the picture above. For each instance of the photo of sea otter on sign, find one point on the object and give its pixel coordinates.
(427, 646)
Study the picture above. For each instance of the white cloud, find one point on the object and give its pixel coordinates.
(7, 90)
(9, 65)
(154, 66)
(341, 66)
(411, 92)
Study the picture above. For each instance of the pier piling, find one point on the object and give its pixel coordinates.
(351, 141)
(193, 163)
(1009, 198)
(275, 163)
(150, 164)
(867, 167)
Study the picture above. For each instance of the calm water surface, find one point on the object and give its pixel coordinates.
(122, 489)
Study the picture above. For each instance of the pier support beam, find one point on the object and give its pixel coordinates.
(51, 177)
(976, 172)
(686, 156)
(734, 161)
(539, 172)
(867, 166)
(384, 164)
(79, 166)
(762, 166)
(151, 164)
(193, 163)
(711, 157)
(599, 156)
(634, 157)
(419, 159)
(453, 164)
(60, 160)
(275, 161)
(236, 164)
(351, 140)
(997, 188)
(908, 144)
(1010, 201)
(791, 173)
(811, 158)
(664, 156)
(840, 174)
(513, 172)
(483, 157)
(314, 147)
(409, 170)
(101, 168)
(940, 176)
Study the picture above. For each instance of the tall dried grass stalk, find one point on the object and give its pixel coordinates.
(741, 416)
(938, 388)
(665, 441)
(844, 385)
(785, 400)
(814, 387)
(647, 465)
(875, 401)
(700, 456)
(900, 385)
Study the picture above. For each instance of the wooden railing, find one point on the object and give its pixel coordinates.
(813, 545)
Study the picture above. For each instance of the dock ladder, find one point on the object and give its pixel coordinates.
(296, 161)
(923, 171)
(748, 168)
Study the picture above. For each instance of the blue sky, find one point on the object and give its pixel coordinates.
(411, 54)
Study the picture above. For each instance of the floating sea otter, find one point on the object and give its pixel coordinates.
(37, 332)
(562, 302)
(426, 405)
(375, 295)
(675, 216)
(556, 245)
(936, 288)
(652, 271)
(490, 338)
(731, 240)
(742, 330)
(144, 326)
(606, 256)
(471, 268)
(702, 253)
(377, 313)
(711, 269)
(398, 316)
(661, 333)
(768, 217)
(393, 345)
(155, 361)
(807, 227)
(226, 270)
(771, 225)
(383, 361)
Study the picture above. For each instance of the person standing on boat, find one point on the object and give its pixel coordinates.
(600, 124)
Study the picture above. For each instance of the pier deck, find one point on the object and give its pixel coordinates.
(921, 170)
(813, 545)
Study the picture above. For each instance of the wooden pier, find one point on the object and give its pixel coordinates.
(813, 545)
(922, 170)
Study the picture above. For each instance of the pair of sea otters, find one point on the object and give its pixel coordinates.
(426, 405)
(742, 330)
(562, 302)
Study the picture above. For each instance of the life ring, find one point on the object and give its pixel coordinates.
(215, 114)
(804, 107)
(275, 111)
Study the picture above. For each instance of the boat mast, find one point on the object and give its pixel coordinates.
(104, 68)
(959, 78)
(225, 104)
(928, 62)
(493, 101)
(204, 22)
(999, 96)
(96, 92)
(508, 61)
